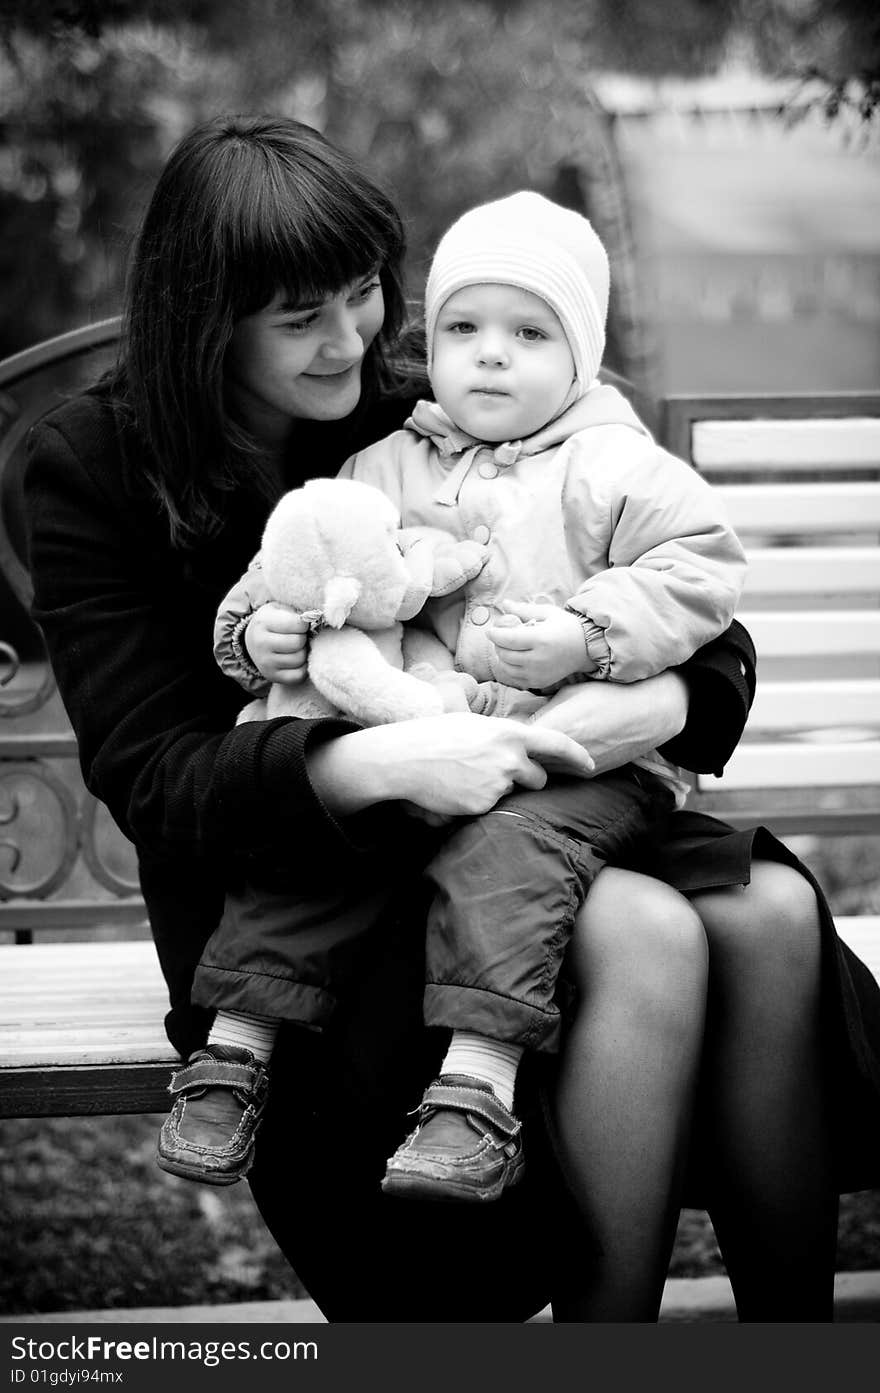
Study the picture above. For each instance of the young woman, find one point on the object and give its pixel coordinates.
(721, 1048)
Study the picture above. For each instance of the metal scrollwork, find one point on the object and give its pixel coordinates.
(44, 848)
(95, 855)
(9, 655)
(30, 696)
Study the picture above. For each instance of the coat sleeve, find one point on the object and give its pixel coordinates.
(233, 617)
(721, 687)
(152, 713)
(676, 569)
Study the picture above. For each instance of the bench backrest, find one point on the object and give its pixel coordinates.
(801, 478)
(64, 867)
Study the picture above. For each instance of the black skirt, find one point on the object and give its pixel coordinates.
(693, 852)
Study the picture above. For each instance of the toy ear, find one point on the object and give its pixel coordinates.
(341, 594)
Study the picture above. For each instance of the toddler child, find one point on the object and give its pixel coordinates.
(608, 560)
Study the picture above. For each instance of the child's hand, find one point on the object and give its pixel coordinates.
(537, 645)
(277, 640)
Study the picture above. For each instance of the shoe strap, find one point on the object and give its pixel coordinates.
(207, 1073)
(477, 1101)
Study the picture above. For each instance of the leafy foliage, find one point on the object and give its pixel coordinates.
(448, 104)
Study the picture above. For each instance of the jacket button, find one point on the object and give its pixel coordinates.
(481, 534)
(480, 615)
(487, 470)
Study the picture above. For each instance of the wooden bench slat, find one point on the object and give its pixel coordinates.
(87, 1091)
(111, 1042)
(792, 706)
(799, 765)
(833, 633)
(786, 444)
(31, 915)
(812, 571)
(81, 1003)
(809, 508)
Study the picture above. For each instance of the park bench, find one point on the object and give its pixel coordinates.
(81, 998)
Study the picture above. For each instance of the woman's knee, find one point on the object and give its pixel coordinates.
(643, 932)
(771, 922)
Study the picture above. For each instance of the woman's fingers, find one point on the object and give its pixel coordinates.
(532, 775)
(555, 750)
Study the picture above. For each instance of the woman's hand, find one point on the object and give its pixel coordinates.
(458, 765)
(277, 641)
(618, 721)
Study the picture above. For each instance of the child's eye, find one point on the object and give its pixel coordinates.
(461, 326)
(531, 335)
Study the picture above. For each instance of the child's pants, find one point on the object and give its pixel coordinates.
(507, 886)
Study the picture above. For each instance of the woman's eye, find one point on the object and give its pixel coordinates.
(299, 326)
(366, 291)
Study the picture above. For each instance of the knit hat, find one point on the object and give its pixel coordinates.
(527, 241)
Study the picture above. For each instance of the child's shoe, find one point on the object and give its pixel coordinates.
(219, 1098)
(466, 1146)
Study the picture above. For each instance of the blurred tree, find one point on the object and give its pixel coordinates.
(830, 48)
(449, 104)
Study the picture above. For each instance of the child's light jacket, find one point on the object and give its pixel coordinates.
(589, 512)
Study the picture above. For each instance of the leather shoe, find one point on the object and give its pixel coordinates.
(219, 1099)
(466, 1147)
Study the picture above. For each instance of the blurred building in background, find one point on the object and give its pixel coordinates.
(758, 236)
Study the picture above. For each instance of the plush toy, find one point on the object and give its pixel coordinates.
(333, 550)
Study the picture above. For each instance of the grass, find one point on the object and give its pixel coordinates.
(88, 1221)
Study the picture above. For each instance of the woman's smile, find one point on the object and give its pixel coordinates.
(280, 363)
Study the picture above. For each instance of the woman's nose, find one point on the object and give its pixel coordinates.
(343, 339)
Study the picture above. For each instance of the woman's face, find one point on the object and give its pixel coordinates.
(302, 362)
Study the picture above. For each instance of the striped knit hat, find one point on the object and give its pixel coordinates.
(527, 241)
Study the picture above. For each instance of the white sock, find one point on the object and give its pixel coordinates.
(254, 1033)
(490, 1061)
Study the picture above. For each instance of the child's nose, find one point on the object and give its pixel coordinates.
(491, 351)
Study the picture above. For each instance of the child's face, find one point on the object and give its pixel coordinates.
(502, 367)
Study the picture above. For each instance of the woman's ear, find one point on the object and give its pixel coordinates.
(341, 594)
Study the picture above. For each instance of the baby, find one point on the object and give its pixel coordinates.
(609, 560)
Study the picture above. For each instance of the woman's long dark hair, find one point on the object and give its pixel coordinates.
(245, 208)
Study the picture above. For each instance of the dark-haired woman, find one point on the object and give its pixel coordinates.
(723, 1049)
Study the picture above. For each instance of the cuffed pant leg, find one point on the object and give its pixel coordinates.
(287, 955)
(507, 888)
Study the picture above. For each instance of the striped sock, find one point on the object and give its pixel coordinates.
(490, 1061)
(254, 1033)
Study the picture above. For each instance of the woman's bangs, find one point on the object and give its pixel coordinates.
(312, 258)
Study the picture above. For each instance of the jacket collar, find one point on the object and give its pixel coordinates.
(600, 405)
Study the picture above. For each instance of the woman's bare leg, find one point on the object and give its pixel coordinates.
(626, 1087)
(764, 1115)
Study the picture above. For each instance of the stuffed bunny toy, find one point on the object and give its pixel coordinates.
(333, 551)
